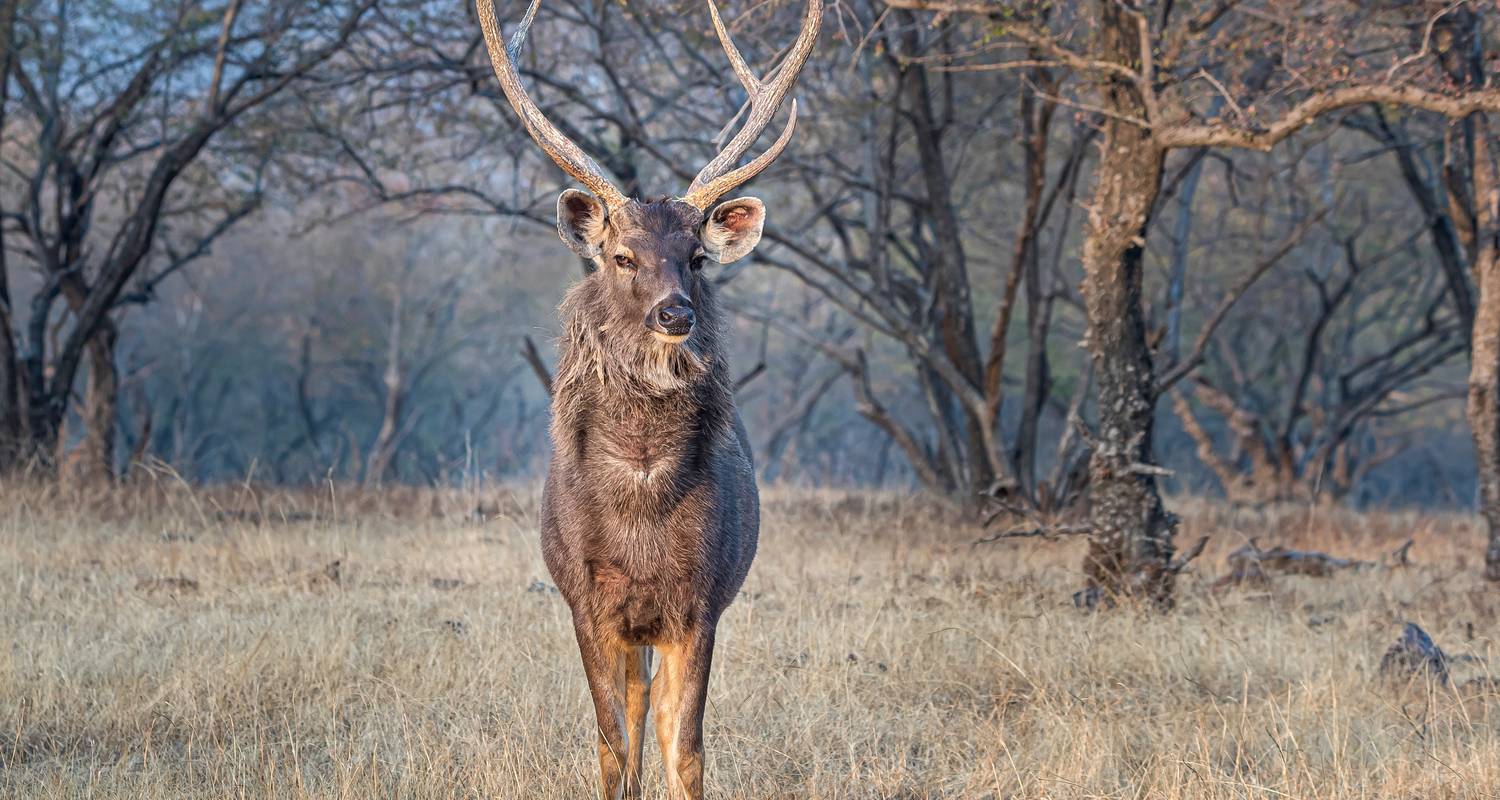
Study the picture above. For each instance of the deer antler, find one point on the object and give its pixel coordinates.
(717, 177)
(553, 142)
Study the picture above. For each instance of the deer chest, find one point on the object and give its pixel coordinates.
(639, 454)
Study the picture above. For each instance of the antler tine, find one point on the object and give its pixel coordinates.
(751, 83)
(553, 142)
(513, 50)
(722, 185)
(718, 177)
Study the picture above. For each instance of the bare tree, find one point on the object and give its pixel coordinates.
(424, 331)
(1153, 74)
(122, 188)
(1319, 359)
(899, 191)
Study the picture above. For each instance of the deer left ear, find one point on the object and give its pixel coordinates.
(733, 229)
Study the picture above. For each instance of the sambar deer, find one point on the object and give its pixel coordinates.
(650, 514)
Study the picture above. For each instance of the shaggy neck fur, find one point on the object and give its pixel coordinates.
(613, 374)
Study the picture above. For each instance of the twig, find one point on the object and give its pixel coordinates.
(1042, 532)
(1240, 112)
(1401, 556)
(1192, 553)
(534, 358)
(1426, 47)
(754, 373)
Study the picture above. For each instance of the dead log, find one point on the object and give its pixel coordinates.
(1250, 564)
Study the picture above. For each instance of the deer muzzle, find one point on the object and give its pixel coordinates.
(671, 320)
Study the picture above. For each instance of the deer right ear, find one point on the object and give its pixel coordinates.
(733, 229)
(580, 222)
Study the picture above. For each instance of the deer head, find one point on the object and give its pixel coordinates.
(650, 253)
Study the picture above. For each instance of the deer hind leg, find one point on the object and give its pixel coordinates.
(605, 665)
(678, 692)
(637, 703)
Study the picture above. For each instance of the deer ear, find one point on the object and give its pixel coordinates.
(580, 222)
(733, 229)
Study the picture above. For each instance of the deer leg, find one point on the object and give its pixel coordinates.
(637, 703)
(678, 691)
(604, 664)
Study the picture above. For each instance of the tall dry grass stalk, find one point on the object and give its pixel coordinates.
(162, 642)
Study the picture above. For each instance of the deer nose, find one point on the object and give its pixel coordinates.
(672, 316)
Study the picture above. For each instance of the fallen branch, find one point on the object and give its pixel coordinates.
(1254, 565)
(1008, 499)
(1040, 532)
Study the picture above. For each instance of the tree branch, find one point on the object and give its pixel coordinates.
(1306, 112)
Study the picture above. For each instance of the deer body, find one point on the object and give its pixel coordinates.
(650, 514)
(649, 524)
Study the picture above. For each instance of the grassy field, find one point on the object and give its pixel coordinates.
(166, 643)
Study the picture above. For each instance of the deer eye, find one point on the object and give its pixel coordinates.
(698, 261)
(624, 262)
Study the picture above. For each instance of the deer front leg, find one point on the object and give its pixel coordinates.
(678, 691)
(605, 666)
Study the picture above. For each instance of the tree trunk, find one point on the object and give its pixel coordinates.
(1484, 362)
(11, 435)
(1181, 252)
(11, 444)
(950, 285)
(383, 451)
(93, 461)
(1474, 201)
(1131, 551)
(1484, 404)
(1036, 123)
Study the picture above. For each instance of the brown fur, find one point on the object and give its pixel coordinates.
(650, 514)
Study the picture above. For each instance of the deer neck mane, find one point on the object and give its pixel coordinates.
(612, 369)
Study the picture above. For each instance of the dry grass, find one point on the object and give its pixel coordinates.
(156, 646)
